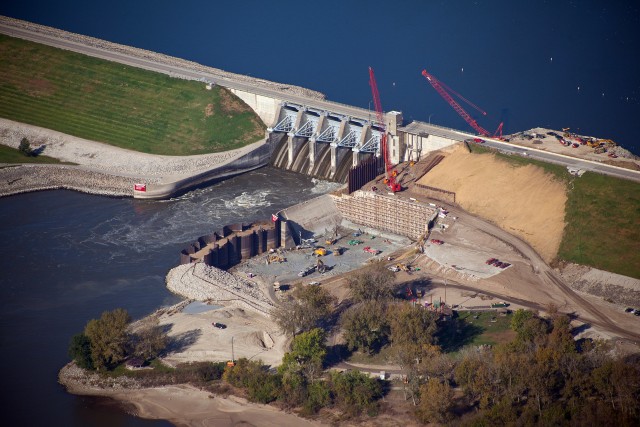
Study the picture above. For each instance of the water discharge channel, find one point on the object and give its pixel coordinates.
(66, 257)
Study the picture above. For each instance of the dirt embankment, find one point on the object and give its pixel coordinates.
(525, 201)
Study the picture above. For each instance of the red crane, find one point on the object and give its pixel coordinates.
(390, 176)
(441, 88)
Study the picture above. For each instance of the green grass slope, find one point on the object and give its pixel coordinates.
(603, 224)
(602, 218)
(11, 155)
(119, 105)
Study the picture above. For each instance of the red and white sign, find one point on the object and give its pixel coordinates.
(140, 187)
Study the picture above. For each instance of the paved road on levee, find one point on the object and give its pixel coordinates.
(546, 156)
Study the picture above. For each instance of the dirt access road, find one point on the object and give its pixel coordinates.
(547, 281)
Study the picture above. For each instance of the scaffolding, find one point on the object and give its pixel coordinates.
(386, 213)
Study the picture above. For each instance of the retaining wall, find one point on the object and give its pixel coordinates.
(232, 244)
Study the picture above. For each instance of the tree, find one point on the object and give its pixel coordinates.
(304, 310)
(149, 339)
(25, 147)
(366, 326)
(376, 282)
(109, 339)
(412, 327)
(528, 326)
(261, 386)
(354, 391)
(80, 351)
(436, 400)
(307, 354)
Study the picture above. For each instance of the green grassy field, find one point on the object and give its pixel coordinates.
(601, 218)
(603, 224)
(11, 155)
(476, 328)
(119, 105)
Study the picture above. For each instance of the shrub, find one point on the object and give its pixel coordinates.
(25, 147)
(80, 351)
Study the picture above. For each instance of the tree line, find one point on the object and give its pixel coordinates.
(542, 377)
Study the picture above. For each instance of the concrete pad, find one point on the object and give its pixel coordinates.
(465, 260)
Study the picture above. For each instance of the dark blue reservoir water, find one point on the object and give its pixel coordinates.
(66, 257)
(535, 63)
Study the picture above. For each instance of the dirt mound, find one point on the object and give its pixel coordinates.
(523, 200)
(259, 338)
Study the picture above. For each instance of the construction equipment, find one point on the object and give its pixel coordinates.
(320, 251)
(390, 178)
(275, 258)
(337, 251)
(371, 250)
(354, 242)
(442, 88)
(320, 266)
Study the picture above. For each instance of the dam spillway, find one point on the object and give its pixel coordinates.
(322, 144)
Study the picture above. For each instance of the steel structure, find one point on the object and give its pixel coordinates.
(442, 88)
(372, 145)
(330, 134)
(351, 139)
(308, 129)
(390, 178)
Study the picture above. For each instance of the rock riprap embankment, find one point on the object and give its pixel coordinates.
(204, 283)
(26, 178)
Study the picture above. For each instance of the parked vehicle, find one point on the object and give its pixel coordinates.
(490, 261)
(219, 325)
(437, 242)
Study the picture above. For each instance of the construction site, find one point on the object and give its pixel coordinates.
(424, 218)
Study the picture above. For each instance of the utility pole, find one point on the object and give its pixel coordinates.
(233, 357)
(445, 291)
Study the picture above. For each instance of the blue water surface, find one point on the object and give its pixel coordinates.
(555, 64)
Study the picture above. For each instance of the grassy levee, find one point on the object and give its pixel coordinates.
(11, 155)
(601, 218)
(119, 105)
(602, 224)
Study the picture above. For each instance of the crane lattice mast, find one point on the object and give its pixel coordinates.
(384, 149)
(440, 88)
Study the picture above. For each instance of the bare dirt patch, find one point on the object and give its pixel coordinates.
(208, 110)
(40, 87)
(230, 104)
(525, 201)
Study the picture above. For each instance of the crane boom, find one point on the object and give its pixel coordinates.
(384, 149)
(438, 86)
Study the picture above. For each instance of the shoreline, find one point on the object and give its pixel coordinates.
(107, 170)
(181, 404)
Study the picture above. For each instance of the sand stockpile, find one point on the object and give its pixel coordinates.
(523, 200)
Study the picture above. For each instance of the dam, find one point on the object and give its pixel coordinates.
(306, 133)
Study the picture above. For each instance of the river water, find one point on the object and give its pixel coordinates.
(66, 257)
